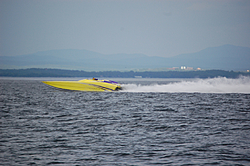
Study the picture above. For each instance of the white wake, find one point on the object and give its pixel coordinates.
(210, 85)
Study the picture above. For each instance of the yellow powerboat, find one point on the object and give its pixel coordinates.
(86, 85)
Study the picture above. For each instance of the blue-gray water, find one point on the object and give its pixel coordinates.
(42, 125)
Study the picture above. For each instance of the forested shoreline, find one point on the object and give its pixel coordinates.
(36, 72)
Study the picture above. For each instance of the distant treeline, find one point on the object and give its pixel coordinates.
(34, 72)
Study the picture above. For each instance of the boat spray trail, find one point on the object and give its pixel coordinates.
(210, 85)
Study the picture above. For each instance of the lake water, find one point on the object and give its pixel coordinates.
(149, 122)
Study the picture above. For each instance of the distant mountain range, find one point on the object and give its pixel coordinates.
(226, 57)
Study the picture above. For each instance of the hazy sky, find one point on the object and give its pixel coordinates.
(152, 27)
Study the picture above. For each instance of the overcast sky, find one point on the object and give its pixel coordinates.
(152, 27)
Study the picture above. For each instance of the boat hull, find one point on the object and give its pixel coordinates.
(85, 85)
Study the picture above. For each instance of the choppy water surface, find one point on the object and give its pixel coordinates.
(42, 125)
